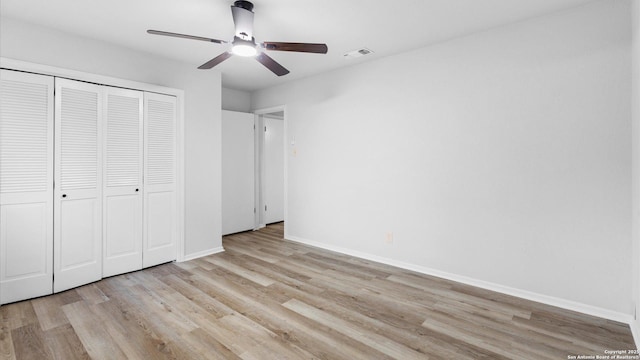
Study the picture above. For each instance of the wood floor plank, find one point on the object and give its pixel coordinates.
(7, 351)
(145, 330)
(207, 346)
(18, 314)
(157, 307)
(253, 250)
(64, 344)
(341, 265)
(282, 276)
(413, 337)
(132, 339)
(49, 308)
(507, 342)
(582, 338)
(29, 343)
(324, 342)
(241, 271)
(267, 298)
(475, 339)
(421, 282)
(96, 339)
(267, 345)
(198, 297)
(378, 342)
(91, 294)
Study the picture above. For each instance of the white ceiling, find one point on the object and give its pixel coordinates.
(384, 26)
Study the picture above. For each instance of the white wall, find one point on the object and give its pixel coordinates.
(503, 157)
(236, 100)
(30, 42)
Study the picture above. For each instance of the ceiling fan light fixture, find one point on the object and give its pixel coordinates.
(244, 47)
(244, 50)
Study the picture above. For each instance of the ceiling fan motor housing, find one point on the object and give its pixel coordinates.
(247, 5)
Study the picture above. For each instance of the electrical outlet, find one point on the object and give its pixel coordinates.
(388, 238)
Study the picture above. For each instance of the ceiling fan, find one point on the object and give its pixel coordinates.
(244, 44)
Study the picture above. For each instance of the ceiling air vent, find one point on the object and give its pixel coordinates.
(357, 53)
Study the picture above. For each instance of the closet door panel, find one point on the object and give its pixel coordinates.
(161, 220)
(122, 181)
(78, 192)
(24, 222)
(26, 185)
(122, 228)
(160, 225)
(78, 222)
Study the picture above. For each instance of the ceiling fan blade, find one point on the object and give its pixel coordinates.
(271, 64)
(298, 47)
(243, 19)
(166, 33)
(215, 61)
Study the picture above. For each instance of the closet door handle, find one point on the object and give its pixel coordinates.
(137, 190)
(64, 195)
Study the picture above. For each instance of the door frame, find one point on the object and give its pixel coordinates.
(259, 170)
(19, 65)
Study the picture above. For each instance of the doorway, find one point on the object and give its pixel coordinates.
(271, 167)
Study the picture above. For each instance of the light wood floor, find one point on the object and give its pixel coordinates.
(265, 298)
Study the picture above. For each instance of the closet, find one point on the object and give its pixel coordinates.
(87, 183)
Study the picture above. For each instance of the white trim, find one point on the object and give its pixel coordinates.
(20, 65)
(272, 109)
(257, 172)
(528, 295)
(200, 254)
(180, 185)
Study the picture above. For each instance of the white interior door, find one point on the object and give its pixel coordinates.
(122, 191)
(160, 215)
(26, 185)
(273, 187)
(78, 184)
(238, 172)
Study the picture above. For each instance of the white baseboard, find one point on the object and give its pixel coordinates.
(203, 253)
(528, 295)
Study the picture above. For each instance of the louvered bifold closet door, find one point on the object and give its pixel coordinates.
(78, 179)
(122, 191)
(26, 185)
(160, 227)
